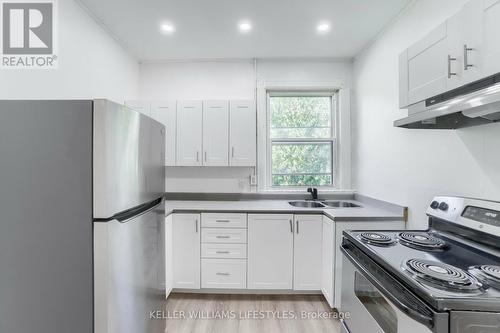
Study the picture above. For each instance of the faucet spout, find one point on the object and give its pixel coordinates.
(314, 193)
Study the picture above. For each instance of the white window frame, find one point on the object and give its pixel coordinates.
(341, 133)
(332, 94)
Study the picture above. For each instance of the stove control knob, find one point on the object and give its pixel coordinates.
(443, 206)
(434, 204)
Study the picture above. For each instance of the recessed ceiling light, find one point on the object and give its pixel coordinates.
(323, 27)
(168, 28)
(245, 26)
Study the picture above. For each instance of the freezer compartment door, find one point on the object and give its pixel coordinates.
(126, 270)
(128, 159)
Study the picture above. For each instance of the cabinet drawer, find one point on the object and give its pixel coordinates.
(228, 251)
(219, 235)
(224, 273)
(221, 220)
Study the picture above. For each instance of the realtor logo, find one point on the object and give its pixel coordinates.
(28, 34)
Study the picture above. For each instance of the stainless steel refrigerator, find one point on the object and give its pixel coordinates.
(81, 202)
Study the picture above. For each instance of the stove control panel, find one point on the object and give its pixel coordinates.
(483, 215)
(447, 208)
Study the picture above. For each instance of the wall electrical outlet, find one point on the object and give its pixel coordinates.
(253, 179)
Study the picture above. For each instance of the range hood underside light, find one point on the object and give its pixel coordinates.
(471, 108)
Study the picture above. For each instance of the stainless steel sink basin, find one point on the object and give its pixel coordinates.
(307, 204)
(339, 204)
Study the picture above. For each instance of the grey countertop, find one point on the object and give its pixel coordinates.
(367, 212)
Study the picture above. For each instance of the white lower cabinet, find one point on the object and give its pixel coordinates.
(168, 242)
(270, 251)
(224, 251)
(223, 273)
(307, 252)
(259, 251)
(328, 260)
(186, 251)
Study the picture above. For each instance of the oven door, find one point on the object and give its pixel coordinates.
(374, 302)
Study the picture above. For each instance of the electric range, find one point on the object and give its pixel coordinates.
(443, 279)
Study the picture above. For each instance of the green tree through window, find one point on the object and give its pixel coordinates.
(302, 140)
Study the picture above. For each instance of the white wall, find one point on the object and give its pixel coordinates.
(226, 80)
(91, 65)
(406, 166)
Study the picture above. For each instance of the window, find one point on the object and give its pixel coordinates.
(301, 139)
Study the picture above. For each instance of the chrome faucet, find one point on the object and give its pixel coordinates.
(314, 193)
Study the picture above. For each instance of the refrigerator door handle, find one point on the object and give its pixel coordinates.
(129, 214)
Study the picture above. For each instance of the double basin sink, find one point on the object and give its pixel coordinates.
(324, 204)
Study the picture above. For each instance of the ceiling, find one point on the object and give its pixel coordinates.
(208, 29)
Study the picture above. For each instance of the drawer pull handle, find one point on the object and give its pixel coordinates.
(222, 236)
(222, 221)
(223, 274)
(222, 252)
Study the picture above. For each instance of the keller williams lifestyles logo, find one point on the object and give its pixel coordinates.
(28, 36)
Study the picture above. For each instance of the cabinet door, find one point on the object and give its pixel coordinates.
(215, 133)
(186, 251)
(455, 59)
(328, 259)
(427, 65)
(243, 137)
(140, 106)
(307, 252)
(168, 246)
(270, 251)
(189, 133)
(166, 113)
(491, 41)
(471, 23)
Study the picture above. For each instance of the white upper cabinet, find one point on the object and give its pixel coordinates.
(462, 50)
(454, 65)
(491, 40)
(208, 133)
(166, 113)
(270, 251)
(215, 133)
(424, 67)
(140, 106)
(242, 137)
(307, 252)
(471, 32)
(189, 133)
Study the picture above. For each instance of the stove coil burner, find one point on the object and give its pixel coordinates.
(487, 274)
(376, 238)
(420, 240)
(442, 276)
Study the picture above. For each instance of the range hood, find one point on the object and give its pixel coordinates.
(474, 104)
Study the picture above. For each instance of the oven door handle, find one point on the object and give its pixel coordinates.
(405, 308)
